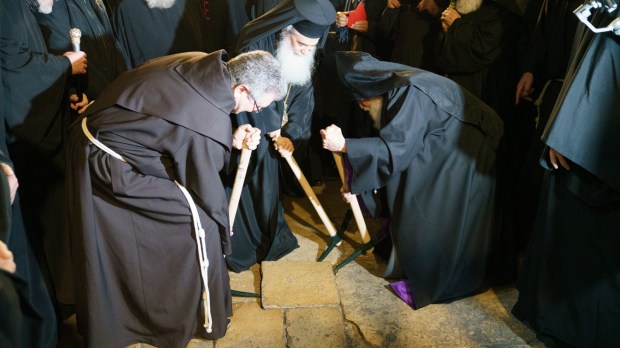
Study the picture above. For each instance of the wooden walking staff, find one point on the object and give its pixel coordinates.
(311, 196)
(233, 204)
(335, 238)
(235, 195)
(355, 205)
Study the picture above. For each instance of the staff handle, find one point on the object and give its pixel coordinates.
(235, 195)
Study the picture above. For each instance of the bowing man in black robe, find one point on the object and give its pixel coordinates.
(149, 29)
(435, 157)
(135, 250)
(569, 286)
(291, 31)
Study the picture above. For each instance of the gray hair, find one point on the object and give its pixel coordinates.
(260, 72)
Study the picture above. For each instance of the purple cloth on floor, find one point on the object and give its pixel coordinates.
(403, 290)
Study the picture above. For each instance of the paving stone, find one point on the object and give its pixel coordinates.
(200, 343)
(386, 321)
(251, 326)
(315, 327)
(294, 284)
(246, 281)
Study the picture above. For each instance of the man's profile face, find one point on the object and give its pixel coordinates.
(245, 101)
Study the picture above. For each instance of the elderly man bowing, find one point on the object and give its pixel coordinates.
(291, 31)
(150, 210)
(435, 157)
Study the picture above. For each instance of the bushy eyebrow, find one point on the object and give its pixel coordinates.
(303, 44)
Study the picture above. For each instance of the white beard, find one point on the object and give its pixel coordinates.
(160, 3)
(296, 69)
(375, 113)
(468, 6)
(45, 6)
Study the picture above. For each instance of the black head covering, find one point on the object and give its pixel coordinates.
(367, 77)
(288, 12)
(309, 29)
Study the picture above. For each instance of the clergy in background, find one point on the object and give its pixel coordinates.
(34, 86)
(149, 29)
(435, 157)
(569, 285)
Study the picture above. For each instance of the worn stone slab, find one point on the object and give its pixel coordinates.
(201, 343)
(251, 326)
(315, 327)
(386, 321)
(295, 284)
(247, 281)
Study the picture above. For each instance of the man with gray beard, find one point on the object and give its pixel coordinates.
(292, 31)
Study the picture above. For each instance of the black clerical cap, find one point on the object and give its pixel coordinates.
(319, 12)
(309, 29)
(366, 77)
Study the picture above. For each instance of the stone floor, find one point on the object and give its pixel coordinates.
(304, 304)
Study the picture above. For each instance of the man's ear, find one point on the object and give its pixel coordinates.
(238, 90)
(364, 103)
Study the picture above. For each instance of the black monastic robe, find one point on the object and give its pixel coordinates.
(260, 231)
(105, 62)
(145, 33)
(27, 311)
(415, 34)
(105, 59)
(478, 51)
(435, 157)
(34, 85)
(569, 287)
(136, 255)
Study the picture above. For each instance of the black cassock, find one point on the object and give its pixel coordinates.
(260, 231)
(145, 33)
(435, 157)
(27, 72)
(105, 60)
(414, 33)
(135, 252)
(569, 287)
(478, 51)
